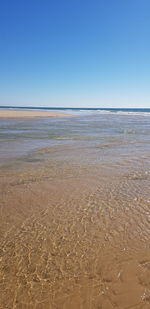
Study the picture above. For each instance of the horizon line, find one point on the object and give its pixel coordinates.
(75, 108)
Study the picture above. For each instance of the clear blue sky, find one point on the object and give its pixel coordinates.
(78, 53)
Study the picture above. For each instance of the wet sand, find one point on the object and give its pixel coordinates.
(75, 214)
(74, 237)
(29, 114)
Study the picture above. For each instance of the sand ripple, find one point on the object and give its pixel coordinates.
(80, 242)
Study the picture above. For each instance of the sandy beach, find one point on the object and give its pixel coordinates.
(75, 214)
(68, 240)
(29, 114)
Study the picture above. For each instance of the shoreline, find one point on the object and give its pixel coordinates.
(30, 114)
(74, 198)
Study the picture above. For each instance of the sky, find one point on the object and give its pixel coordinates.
(75, 53)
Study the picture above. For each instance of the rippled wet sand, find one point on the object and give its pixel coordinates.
(75, 213)
(75, 237)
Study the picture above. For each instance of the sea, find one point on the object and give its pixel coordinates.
(105, 134)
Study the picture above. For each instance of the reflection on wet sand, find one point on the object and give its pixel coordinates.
(75, 237)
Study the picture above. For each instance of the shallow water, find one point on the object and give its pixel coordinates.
(101, 133)
(75, 209)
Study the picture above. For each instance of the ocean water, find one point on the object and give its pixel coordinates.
(109, 110)
(106, 135)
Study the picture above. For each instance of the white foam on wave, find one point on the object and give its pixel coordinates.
(124, 113)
